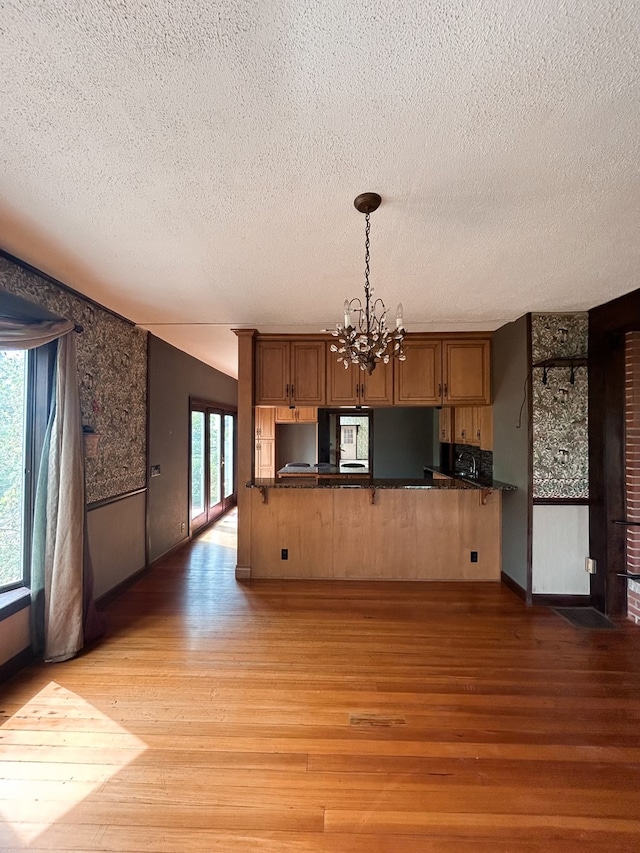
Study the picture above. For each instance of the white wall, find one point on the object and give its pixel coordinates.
(560, 547)
(14, 634)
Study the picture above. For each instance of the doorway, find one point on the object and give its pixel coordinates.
(212, 469)
(351, 442)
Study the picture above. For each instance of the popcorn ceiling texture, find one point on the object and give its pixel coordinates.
(112, 369)
(195, 162)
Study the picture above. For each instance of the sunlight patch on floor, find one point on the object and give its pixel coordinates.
(56, 751)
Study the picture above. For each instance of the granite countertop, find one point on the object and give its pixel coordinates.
(352, 482)
(479, 482)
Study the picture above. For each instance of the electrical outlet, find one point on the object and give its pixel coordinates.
(284, 554)
(183, 527)
(590, 566)
(474, 556)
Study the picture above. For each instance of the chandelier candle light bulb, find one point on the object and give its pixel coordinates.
(365, 338)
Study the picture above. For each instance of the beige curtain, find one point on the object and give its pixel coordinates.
(64, 541)
(28, 334)
(60, 565)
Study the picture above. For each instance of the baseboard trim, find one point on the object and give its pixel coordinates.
(515, 588)
(546, 600)
(170, 552)
(15, 664)
(243, 573)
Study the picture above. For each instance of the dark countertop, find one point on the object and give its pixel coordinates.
(479, 482)
(352, 482)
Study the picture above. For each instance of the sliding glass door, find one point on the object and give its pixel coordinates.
(213, 489)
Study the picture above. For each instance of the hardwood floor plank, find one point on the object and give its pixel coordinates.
(498, 826)
(291, 717)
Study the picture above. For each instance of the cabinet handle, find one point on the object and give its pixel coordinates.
(293, 393)
(288, 393)
(439, 389)
(358, 391)
(362, 391)
(445, 389)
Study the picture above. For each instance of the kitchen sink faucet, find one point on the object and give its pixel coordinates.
(473, 469)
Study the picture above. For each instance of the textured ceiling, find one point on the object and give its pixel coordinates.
(189, 161)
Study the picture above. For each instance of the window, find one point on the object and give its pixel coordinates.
(26, 380)
(13, 423)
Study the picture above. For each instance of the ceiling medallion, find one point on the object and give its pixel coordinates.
(364, 338)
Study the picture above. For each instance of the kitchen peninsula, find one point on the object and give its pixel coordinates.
(363, 528)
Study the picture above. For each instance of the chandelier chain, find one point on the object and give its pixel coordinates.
(365, 339)
(366, 255)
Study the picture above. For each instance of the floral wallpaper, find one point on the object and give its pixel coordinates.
(112, 369)
(560, 408)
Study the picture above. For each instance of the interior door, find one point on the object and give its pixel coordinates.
(348, 442)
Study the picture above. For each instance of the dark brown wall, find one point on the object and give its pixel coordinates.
(175, 376)
(512, 444)
(607, 324)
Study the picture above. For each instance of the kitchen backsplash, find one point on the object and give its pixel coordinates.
(484, 460)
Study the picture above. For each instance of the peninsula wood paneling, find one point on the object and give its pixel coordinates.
(406, 534)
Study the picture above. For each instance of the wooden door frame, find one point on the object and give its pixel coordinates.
(607, 325)
(211, 407)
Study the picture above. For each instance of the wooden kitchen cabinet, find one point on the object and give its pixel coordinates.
(485, 427)
(290, 373)
(376, 389)
(298, 415)
(465, 420)
(445, 417)
(447, 372)
(265, 421)
(418, 380)
(265, 466)
(265, 445)
(473, 425)
(355, 387)
(466, 372)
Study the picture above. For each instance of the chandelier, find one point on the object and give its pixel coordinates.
(364, 338)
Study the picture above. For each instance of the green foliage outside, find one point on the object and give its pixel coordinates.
(197, 463)
(12, 396)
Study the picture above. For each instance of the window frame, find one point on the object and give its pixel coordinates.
(40, 367)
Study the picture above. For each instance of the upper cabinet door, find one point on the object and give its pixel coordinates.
(342, 385)
(272, 373)
(376, 389)
(418, 380)
(308, 373)
(446, 425)
(265, 422)
(467, 372)
(466, 425)
(485, 427)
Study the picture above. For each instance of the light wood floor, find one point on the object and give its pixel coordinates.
(287, 717)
